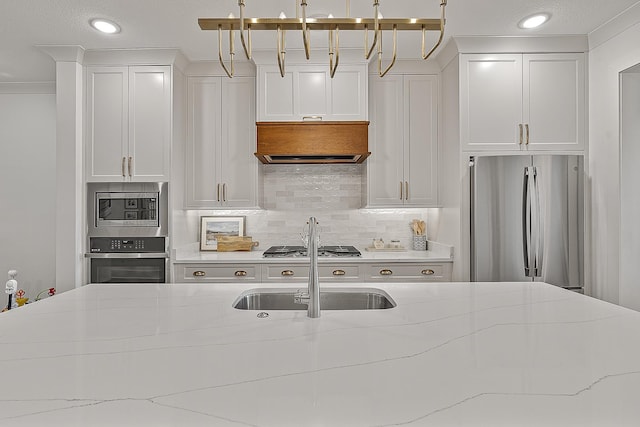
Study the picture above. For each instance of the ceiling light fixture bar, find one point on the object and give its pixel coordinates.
(306, 25)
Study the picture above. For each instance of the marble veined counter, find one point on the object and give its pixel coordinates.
(450, 354)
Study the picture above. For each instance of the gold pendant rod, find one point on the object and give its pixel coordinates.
(305, 31)
(442, 22)
(280, 42)
(334, 46)
(247, 50)
(231, 53)
(395, 51)
(376, 26)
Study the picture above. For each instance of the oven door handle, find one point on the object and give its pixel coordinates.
(127, 255)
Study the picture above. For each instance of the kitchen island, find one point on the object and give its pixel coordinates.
(449, 354)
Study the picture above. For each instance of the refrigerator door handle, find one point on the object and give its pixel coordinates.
(537, 227)
(526, 218)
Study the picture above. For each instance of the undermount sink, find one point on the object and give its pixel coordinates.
(330, 299)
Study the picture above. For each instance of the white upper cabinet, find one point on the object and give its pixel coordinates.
(403, 139)
(221, 168)
(128, 123)
(514, 102)
(307, 92)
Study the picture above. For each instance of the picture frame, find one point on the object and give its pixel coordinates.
(212, 226)
(131, 204)
(130, 215)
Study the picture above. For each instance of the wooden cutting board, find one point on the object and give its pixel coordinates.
(235, 243)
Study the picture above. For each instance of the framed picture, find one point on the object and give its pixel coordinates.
(131, 204)
(130, 214)
(213, 226)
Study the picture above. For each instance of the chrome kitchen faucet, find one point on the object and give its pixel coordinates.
(312, 296)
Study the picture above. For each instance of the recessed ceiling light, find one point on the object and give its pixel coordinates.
(534, 21)
(105, 26)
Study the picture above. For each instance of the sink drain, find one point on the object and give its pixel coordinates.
(263, 315)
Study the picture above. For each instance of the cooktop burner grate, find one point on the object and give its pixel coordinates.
(301, 251)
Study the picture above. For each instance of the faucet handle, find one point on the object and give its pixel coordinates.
(301, 297)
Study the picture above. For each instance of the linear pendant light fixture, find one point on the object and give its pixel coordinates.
(376, 24)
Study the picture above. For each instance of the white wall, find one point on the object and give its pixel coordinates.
(612, 55)
(27, 189)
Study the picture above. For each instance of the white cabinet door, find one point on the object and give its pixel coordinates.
(522, 102)
(221, 167)
(238, 164)
(490, 102)
(554, 101)
(204, 95)
(128, 123)
(308, 92)
(421, 140)
(275, 95)
(385, 165)
(107, 123)
(349, 93)
(403, 139)
(149, 123)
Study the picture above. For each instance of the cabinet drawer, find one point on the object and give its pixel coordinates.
(191, 273)
(418, 272)
(285, 273)
(340, 273)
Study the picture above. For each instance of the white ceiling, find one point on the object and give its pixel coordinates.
(24, 24)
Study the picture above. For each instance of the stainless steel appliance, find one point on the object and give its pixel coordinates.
(127, 233)
(527, 219)
(301, 251)
(127, 209)
(128, 260)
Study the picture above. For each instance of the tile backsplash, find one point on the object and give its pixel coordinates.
(331, 193)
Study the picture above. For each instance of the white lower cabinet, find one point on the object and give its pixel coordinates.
(368, 272)
(408, 272)
(222, 171)
(211, 273)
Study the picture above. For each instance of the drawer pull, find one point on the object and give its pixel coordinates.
(428, 272)
(286, 273)
(240, 273)
(386, 272)
(339, 272)
(199, 273)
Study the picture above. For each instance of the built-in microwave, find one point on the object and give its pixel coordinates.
(127, 209)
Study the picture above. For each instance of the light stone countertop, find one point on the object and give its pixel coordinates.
(191, 254)
(450, 354)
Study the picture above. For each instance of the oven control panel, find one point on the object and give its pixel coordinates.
(127, 244)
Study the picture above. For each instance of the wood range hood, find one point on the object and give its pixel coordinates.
(312, 142)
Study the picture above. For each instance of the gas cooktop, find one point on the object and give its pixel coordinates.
(300, 251)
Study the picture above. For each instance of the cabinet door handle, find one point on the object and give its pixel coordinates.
(218, 193)
(240, 273)
(124, 160)
(406, 190)
(199, 273)
(386, 272)
(224, 192)
(305, 118)
(286, 273)
(428, 272)
(130, 159)
(520, 126)
(339, 272)
(526, 127)
(401, 191)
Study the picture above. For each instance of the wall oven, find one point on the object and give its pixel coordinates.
(127, 233)
(128, 260)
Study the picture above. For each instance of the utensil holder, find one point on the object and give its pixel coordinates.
(420, 243)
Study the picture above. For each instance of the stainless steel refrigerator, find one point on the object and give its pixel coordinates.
(527, 219)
